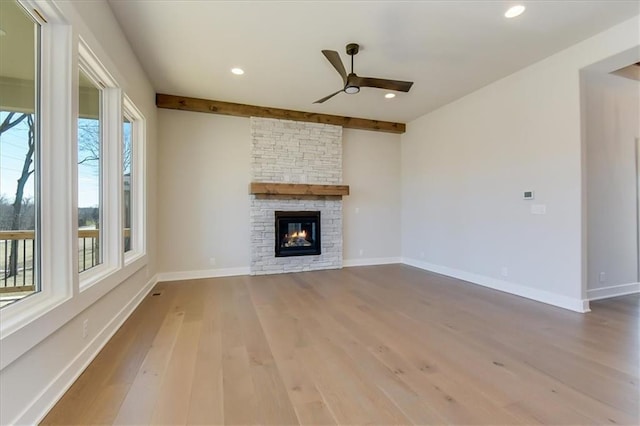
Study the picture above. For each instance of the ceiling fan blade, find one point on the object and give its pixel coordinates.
(381, 83)
(335, 60)
(319, 101)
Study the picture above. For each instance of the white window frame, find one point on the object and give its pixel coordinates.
(110, 179)
(138, 184)
(54, 161)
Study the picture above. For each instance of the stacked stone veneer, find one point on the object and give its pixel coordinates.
(285, 151)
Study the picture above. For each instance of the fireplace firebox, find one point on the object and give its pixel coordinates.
(297, 233)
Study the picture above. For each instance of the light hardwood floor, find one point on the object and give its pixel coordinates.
(371, 345)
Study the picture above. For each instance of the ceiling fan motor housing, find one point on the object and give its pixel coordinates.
(351, 87)
(352, 49)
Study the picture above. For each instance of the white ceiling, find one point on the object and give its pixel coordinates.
(448, 48)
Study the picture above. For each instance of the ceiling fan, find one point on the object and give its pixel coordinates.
(352, 82)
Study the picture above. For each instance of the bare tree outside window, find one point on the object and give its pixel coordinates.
(18, 214)
(89, 173)
(127, 180)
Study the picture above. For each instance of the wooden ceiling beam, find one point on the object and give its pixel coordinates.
(241, 110)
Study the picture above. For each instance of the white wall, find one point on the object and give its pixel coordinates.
(31, 384)
(612, 124)
(371, 168)
(203, 207)
(465, 166)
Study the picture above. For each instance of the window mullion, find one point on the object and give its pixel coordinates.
(113, 244)
(57, 154)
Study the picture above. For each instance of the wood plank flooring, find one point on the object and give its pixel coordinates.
(370, 345)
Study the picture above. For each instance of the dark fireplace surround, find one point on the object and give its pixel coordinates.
(297, 233)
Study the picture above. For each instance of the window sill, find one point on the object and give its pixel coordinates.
(131, 257)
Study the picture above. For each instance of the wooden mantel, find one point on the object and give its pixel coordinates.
(297, 191)
(241, 110)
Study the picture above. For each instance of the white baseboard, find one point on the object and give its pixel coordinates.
(347, 263)
(45, 401)
(577, 305)
(231, 272)
(208, 273)
(613, 291)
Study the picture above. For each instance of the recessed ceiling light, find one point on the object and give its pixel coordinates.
(390, 95)
(514, 11)
(237, 71)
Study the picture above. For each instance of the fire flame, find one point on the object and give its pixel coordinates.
(301, 234)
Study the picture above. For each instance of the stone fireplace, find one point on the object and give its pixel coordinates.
(291, 152)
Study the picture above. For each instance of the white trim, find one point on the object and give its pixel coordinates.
(55, 228)
(208, 273)
(40, 406)
(637, 148)
(112, 212)
(50, 11)
(137, 181)
(613, 291)
(92, 66)
(576, 305)
(347, 263)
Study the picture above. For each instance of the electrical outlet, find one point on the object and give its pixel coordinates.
(603, 277)
(85, 328)
(504, 271)
(422, 254)
(357, 210)
(361, 252)
(538, 209)
(212, 261)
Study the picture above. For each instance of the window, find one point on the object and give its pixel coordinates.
(127, 178)
(89, 173)
(133, 134)
(19, 153)
(109, 176)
